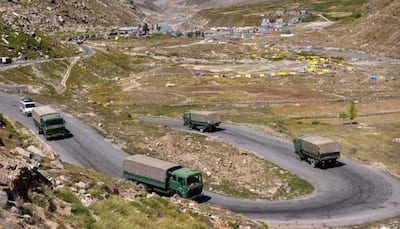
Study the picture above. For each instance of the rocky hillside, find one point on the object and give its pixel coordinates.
(30, 44)
(201, 4)
(377, 31)
(57, 15)
(367, 25)
(27, 27)
(37, 190)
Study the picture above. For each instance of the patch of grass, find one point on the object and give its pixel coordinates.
(10, 135)
(155, 212)
(19, 75)
(299, 185)
(230, 189)
(79, 211)
(28, 46)
(54, 70)
(164, 110)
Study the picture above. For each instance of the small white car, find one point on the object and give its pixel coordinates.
(26, 105)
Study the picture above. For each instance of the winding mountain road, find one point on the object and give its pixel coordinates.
(85, 52)
(348, 194)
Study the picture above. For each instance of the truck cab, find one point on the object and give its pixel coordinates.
(186, 182)
(26, 105)
(53, 125)
(187, 118)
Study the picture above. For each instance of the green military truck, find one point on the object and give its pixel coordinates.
(49, 122)
(319, 151)
(163, 177)
(202, 120)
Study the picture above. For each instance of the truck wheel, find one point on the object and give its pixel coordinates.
(298, 156)
(143, 187)
(176, 194)
(313, 163)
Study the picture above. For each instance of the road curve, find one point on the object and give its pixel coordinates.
(86, 148)
(85, 52)
(348, 194)
(345, 195)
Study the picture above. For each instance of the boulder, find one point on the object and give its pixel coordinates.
(81, 185)
(33, 149)
(3, 199)
(56, 164)
(44, 173)
(23, 152)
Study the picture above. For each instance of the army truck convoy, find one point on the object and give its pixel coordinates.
(169, 178)
(163, 177)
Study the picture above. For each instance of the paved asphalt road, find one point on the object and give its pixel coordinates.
(86, 148)
(85, 51)
(350, 193)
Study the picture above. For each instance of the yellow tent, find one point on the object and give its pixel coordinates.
(261, 75)
(238, 75)
(282, 73)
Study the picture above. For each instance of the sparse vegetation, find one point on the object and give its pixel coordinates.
(343, 116)
(352, 111)
(30, 45)
(129, 78)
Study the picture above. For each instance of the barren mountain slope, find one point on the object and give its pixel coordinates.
(377, 32)
(71, 15)
(201, 4)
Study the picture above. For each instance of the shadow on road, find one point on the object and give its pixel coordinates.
(333, 165)
(218, 129)
(202, 199)
(66, 136)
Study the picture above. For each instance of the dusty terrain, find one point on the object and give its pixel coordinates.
(267, 82)
(37, 190)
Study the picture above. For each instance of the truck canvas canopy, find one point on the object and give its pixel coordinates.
(148, 167)
(320, 144)
(206, 116)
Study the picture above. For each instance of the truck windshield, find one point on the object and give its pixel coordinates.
(194, 179)
(54, 122)
(29, 105)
